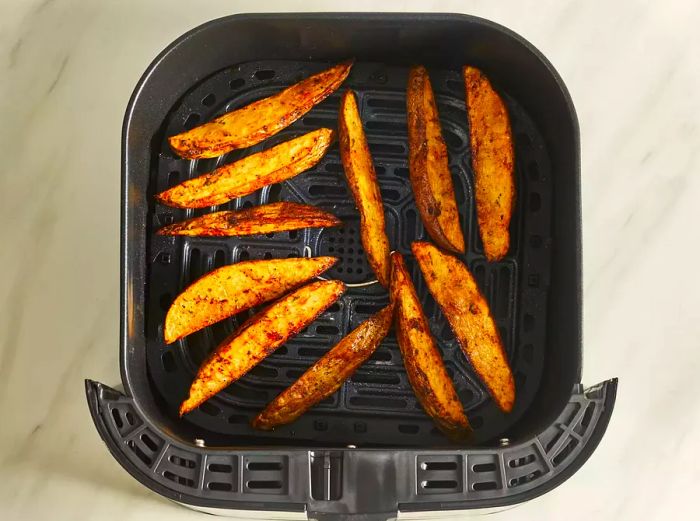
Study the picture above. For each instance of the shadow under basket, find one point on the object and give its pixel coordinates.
(369, 451)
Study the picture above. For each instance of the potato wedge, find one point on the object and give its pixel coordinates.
(429, 169)
(258, 337)
(235, 288)
(362, 179)
(492, 153)
(251, 173)
(258, 121)
(467, 311)
(327, 375)
(424, 366)
(267, 218)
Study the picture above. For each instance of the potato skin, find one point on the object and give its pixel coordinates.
(327, 375)
(362, 179)
(424, 366)
(429, 169)
(231, 289)
(467, 311)
(258, 121)
(258, 337)
(245, 176)
(491, 140)
(267, 218)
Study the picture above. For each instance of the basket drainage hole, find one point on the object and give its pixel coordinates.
(209, 100)
(149, 442)
(178, 479)
(265, 75)
(237, 83)
(484, 467)
(515, 463)
(220, 487)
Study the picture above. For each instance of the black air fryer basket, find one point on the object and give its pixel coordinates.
(369, 451)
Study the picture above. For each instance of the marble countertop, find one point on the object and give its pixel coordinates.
(67, 69)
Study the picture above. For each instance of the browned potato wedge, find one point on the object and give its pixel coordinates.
(362, 179)
(429, 169)
(467, 311)
(492, 160)
(424, 366)
(251, 173)
(235, 288)
(268, 218)
(258, 337)
(258, 121)
(327, 375)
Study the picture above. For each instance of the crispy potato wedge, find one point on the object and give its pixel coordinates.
(362, 179)
(258, 337)
(424, 366)
(467, 311)
(235, 288)
(327, 375)
(492, 152)
(267, 218)
(251, 173)
(258, 121)
(429, 169)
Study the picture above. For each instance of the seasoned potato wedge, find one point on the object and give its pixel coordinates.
(258, 337)
(235, 288)
(429, 169)
(424, 366)
(258, 121)
(327, 375)
(491, 141)
(267, 218)
(251, 173)
(362, 179)
(467, 311)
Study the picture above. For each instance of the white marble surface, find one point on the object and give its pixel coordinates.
(67, 69)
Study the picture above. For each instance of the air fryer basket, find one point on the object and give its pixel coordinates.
(369, 449)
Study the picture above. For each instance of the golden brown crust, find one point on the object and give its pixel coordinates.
(327, 375)
(429, 169)
(258, 121)
(467, 311)
(267, 218)
(362, 179)
(235, 288)
(424, 366)
(492, 153)
(251, 173)
(258, 337)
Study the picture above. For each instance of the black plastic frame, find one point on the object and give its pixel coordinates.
(437, 40)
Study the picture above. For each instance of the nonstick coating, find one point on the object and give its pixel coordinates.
(376, 407)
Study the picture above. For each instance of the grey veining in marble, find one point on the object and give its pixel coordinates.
(67, 69)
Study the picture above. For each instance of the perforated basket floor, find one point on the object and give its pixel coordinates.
(377, 406)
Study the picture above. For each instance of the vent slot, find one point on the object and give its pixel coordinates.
(220, 468)
(264, 465)
(181, 462)
(450, 484)
(564, 452)
(485, 485)
(258, 484)
(519, 462)
(180, 480)
(220, 487)
(522, 480)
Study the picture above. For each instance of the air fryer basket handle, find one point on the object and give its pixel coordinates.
(351, 484)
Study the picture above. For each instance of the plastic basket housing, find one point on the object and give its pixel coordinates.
(397, 459)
